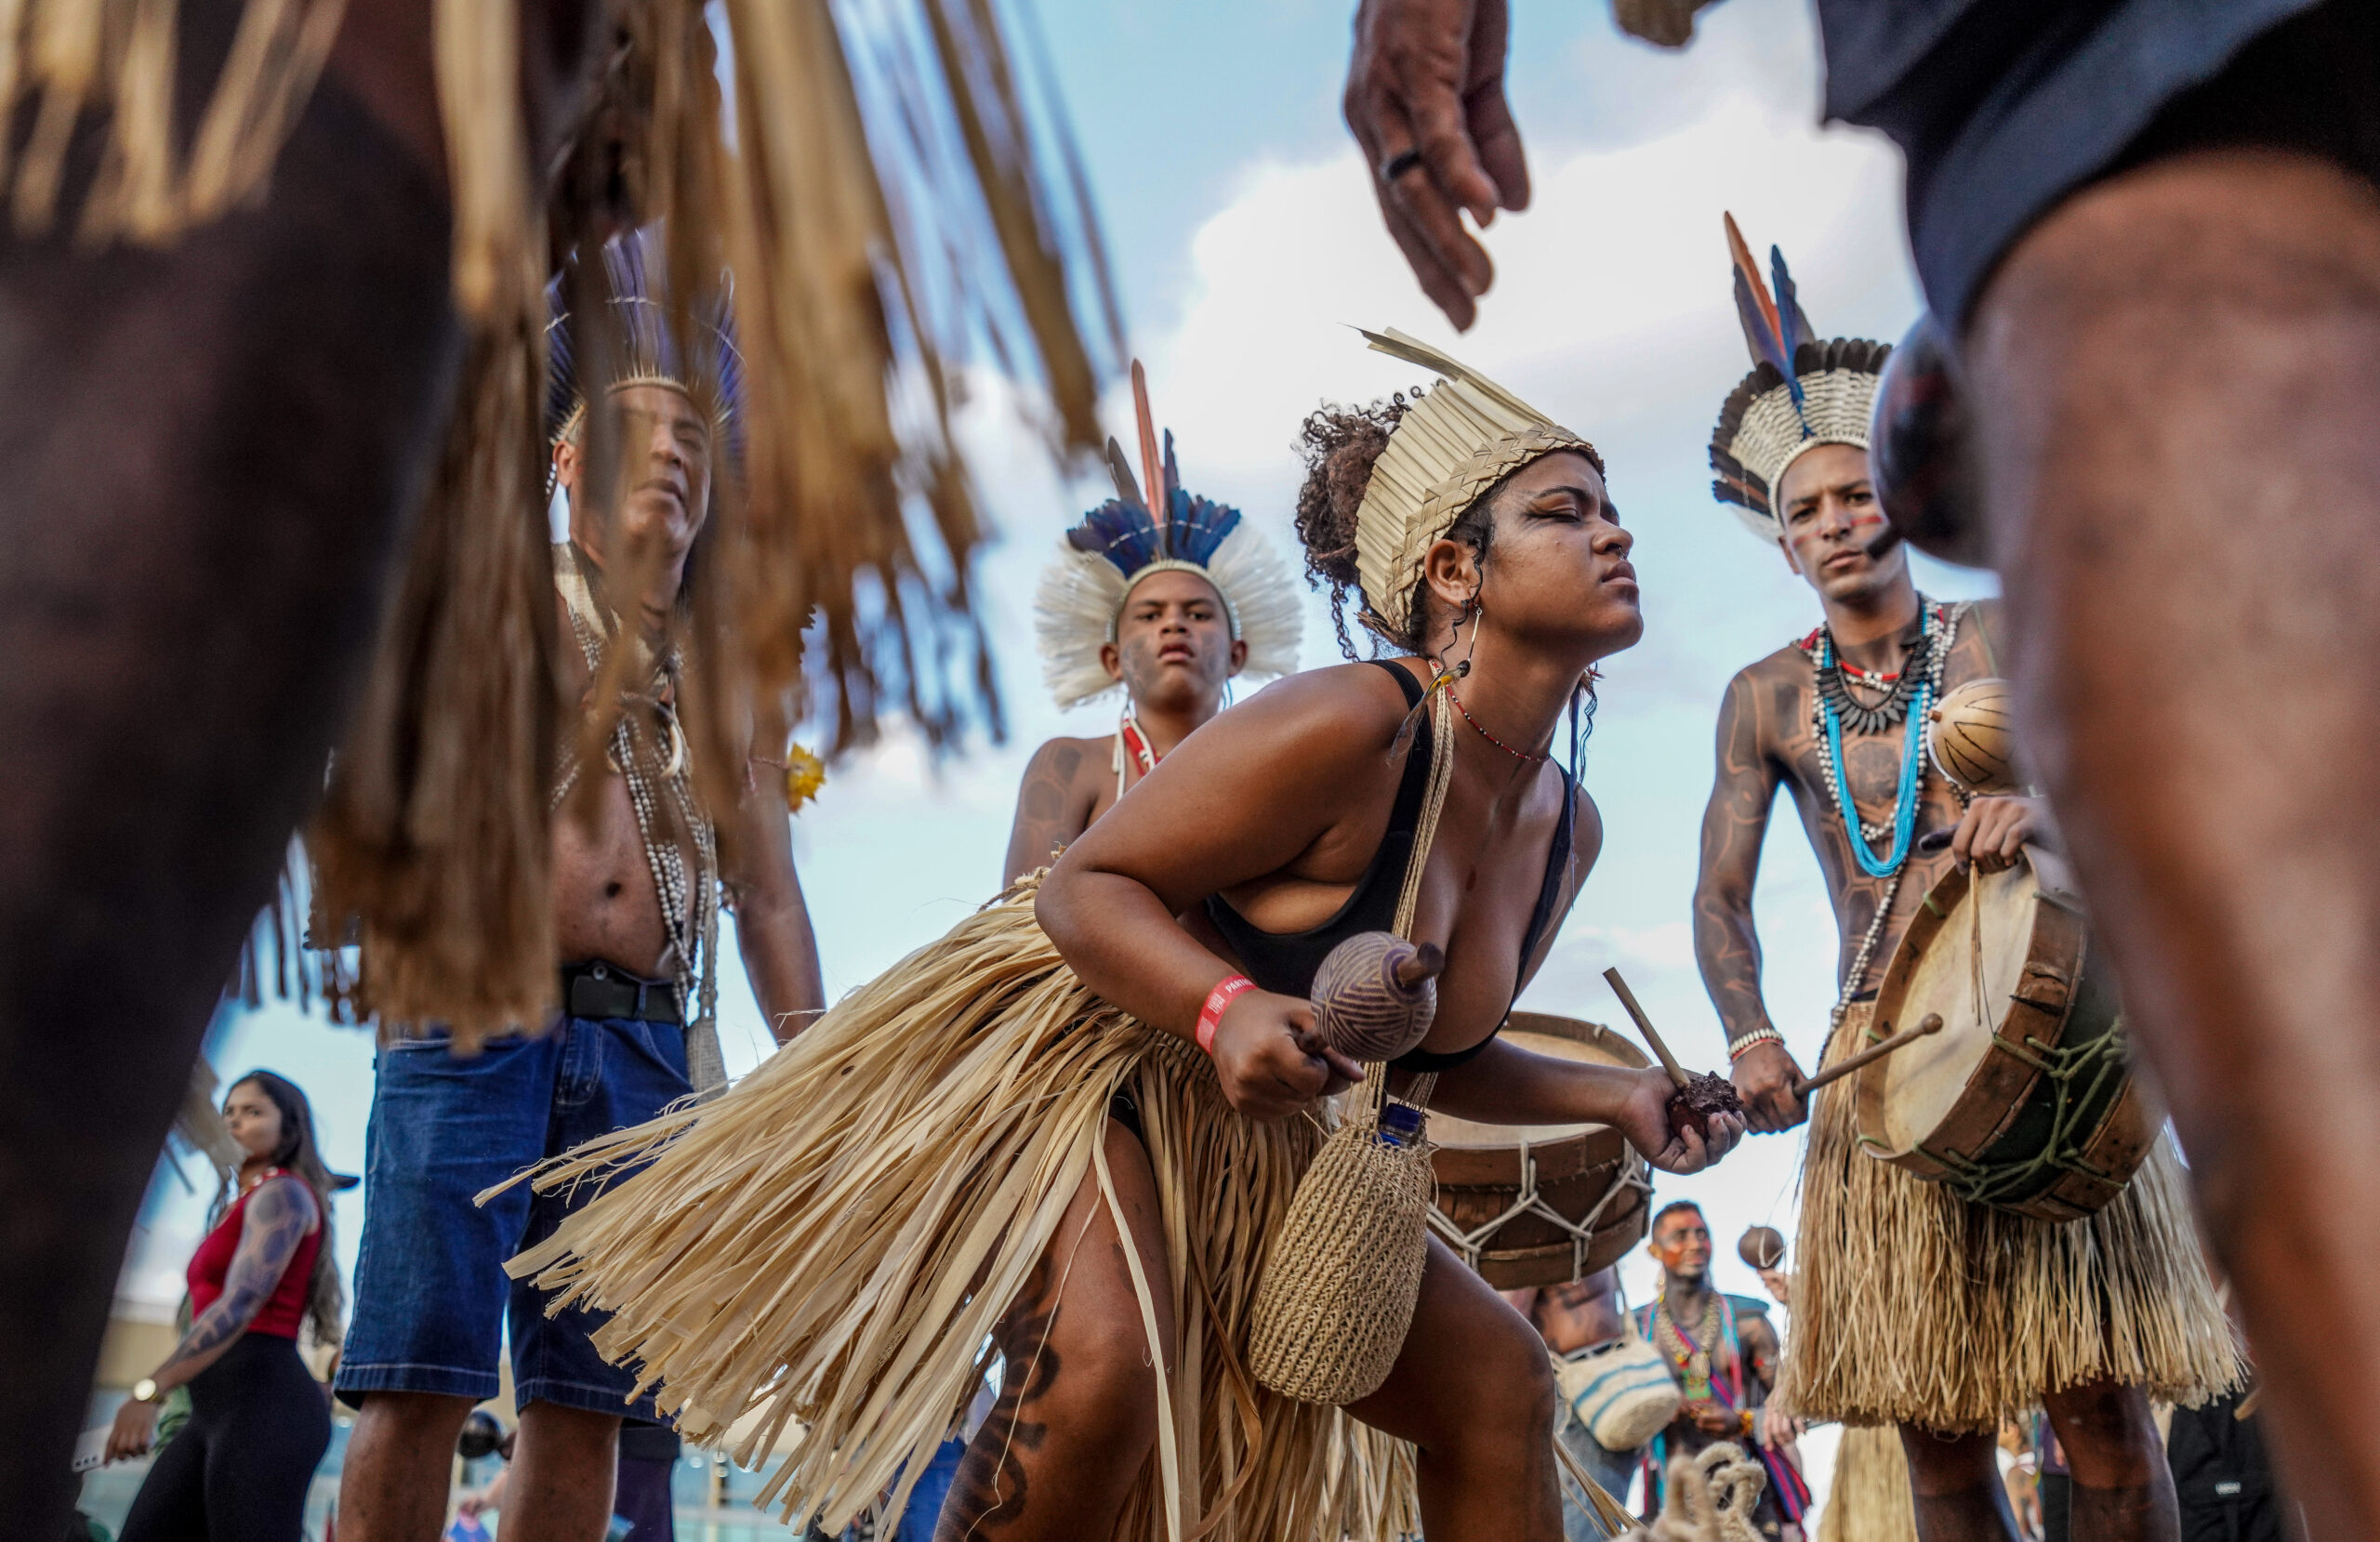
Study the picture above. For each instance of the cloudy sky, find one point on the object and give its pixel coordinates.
(1245, 245)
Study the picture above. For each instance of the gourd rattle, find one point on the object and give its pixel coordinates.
(1376, 996)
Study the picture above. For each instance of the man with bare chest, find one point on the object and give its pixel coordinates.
(1723, 1352)
(641, 871)
(1172, 601)
(1914, 1308)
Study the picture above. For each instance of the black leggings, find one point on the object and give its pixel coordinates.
(238, 1471)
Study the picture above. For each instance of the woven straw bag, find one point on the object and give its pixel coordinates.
(1337, 1293)
(1623, 1394)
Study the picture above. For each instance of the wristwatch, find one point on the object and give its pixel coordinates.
(145, 1390)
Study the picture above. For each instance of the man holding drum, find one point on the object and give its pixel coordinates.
(1913, 1307)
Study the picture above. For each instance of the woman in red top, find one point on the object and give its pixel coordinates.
(238, 1471)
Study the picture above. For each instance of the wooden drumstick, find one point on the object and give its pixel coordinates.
(1931, 1023)
(1645, 1025)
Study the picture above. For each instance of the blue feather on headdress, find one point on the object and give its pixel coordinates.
(708, 365)
(1772, 333)
(1791, 322)
(1122, 532)
(1128, 536)
(1195, 526)
(1199, 526)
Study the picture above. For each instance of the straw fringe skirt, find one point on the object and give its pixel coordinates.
(1912, 1306)
(817, 1257)
(1869, 1500)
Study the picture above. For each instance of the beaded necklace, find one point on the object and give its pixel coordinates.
(1694, 1355)
(689, 901)
(1524, 756)
(1835, 679)
(1132, 742)
(1919, 686)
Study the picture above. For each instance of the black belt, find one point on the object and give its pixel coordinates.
(2213, 1491)
(608, 991)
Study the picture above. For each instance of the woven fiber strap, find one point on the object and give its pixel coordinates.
(1335, 1299)
(1470, 481)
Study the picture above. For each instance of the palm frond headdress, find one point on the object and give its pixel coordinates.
(1801, 393)
(1125, 540)
(1457, 441)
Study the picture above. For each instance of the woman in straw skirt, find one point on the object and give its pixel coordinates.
(1072, 1126)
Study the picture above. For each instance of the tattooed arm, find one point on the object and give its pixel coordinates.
(1050, 807)
(279, 1215)
(1725, 944)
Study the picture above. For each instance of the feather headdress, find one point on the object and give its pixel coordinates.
(1801, 393)
(1457, 441)
(1127, 539)
(706, 366)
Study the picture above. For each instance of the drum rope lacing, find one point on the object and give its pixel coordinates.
(1631, 1174)
(2096, 1065)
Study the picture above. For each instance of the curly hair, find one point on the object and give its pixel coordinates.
(1339, 446)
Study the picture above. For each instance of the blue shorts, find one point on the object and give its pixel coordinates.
(431, 1296)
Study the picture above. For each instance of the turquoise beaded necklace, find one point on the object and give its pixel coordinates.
(1913, 766)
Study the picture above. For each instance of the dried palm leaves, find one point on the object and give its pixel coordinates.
(870, 177)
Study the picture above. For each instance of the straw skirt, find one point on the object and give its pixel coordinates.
(818, 1256)
(1869, 1499)
(1912, 1306)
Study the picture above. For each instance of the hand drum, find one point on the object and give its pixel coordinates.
(1376, 996)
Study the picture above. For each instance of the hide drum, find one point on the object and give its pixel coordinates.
(1509, 1196)
(2025, 1101)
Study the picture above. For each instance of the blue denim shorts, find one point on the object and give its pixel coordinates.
(432, 1297)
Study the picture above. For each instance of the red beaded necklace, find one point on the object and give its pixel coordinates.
(1524, 756)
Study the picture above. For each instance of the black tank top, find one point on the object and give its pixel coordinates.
(1285, 963)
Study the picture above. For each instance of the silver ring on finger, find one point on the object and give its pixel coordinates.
(1399, 165)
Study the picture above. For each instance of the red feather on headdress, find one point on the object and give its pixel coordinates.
(1770, 336)
(1150, 478)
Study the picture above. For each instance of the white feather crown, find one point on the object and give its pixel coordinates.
(1102, 560)
(1763, 430)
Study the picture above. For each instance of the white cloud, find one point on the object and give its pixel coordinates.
(1611, 302)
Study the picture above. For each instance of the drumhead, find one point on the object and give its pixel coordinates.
(1921, 1083)
(1542, 1034)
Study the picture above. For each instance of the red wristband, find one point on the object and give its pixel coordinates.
(1211, 1016)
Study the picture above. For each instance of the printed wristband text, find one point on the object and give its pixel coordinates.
(1211, 1016)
